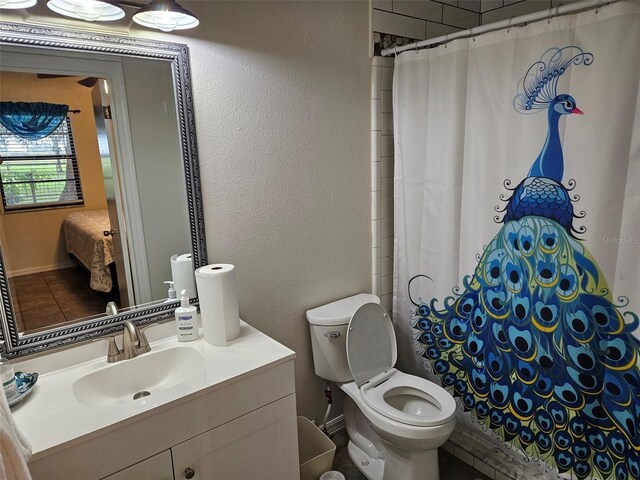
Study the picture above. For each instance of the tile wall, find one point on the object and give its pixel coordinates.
(382, 180)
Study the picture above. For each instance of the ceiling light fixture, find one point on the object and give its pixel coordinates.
(89, 10)
(13, 4)
(165, 15)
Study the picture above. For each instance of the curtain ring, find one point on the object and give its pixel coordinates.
(550, 15)
(395, 51)
(598, 6)
(509, 24)
(446, 40)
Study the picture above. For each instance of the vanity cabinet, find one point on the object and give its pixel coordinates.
(256, 446)
(242, 428)
(158, 467)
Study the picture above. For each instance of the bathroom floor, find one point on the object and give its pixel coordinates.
(51, 298)
(451, 468)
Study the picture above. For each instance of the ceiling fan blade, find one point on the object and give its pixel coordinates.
(88, 82)
(52, 75)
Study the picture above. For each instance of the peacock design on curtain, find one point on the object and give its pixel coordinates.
(534, 344)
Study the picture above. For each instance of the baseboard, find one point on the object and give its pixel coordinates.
(335, 425)
(39, 269)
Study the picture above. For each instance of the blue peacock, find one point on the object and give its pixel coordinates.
(534, 344)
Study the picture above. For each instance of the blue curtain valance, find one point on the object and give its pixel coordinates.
(32, 121)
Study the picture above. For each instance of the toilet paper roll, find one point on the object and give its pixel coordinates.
(182, 275)
(218, 303)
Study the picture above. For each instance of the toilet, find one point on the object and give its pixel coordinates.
(395, 421)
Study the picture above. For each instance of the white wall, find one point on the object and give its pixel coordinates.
(281, 95)
(282, 98)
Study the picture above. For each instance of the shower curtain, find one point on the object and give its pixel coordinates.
(517, 235)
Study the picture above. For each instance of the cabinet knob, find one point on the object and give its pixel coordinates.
(189, 472)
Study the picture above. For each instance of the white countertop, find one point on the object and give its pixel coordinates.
(52, 418)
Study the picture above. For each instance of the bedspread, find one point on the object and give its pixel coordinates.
(84, 238)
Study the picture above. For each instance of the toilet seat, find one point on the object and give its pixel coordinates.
(371, 354)
(409, 399)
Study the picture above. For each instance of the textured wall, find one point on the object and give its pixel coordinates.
(282, 106)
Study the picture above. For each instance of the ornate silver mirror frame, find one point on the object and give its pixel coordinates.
(61, 39)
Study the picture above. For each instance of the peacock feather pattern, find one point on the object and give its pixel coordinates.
(534, 343)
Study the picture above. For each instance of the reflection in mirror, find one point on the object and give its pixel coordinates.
(92, 212)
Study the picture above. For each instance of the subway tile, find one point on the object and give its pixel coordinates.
(449, 2)
(557, 3)
(376, 120)
(473, 5)
(375, 261)
(424, 9)
(503, 476)
(387, 78)
(386, 285)
(463, 455)
(386, 266)
(386, 103)
(386, 187)
(376, 231)
(386, 208)
(511, 2)
(376, 145)
(383, 5)
(394, 24)
(387, 62)
(448, 447)
(515, 10)
(458, 17)
(435, 30)
(386, 247)
(386, 145)
(375, 205)
(490, 5)
(376, 61)
(387, 302)
(386, 167)
(386, 124)
(376, 176)
(375, 284)
(376, 80)
(386, 228)
(483, 468)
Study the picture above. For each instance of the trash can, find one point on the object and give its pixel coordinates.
(316, 450)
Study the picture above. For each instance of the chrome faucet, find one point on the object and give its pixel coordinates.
(134, 343)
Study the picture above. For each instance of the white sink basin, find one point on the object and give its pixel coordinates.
(148, 373)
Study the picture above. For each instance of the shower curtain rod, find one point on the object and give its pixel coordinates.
(511, 22)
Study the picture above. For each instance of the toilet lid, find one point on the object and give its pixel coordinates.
(371, 343)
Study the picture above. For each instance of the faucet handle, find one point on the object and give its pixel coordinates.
(143, 342)
(113, 354)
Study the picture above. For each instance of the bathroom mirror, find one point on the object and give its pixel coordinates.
(134, 98)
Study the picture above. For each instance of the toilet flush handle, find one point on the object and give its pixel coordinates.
(333, 334)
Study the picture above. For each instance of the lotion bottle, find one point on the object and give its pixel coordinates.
(186, 320)
(171, 292)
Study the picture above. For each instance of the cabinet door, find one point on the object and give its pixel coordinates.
(261, 445)
(158, 467)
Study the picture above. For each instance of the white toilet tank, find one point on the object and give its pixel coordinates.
(328, 325)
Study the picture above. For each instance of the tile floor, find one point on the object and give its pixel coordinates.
(50, 298)
(451, 468)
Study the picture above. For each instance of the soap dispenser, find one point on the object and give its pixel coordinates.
(171, 293)
(186, 320)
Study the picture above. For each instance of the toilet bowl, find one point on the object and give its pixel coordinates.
(395, 421)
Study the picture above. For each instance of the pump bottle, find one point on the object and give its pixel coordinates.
(186, 320)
